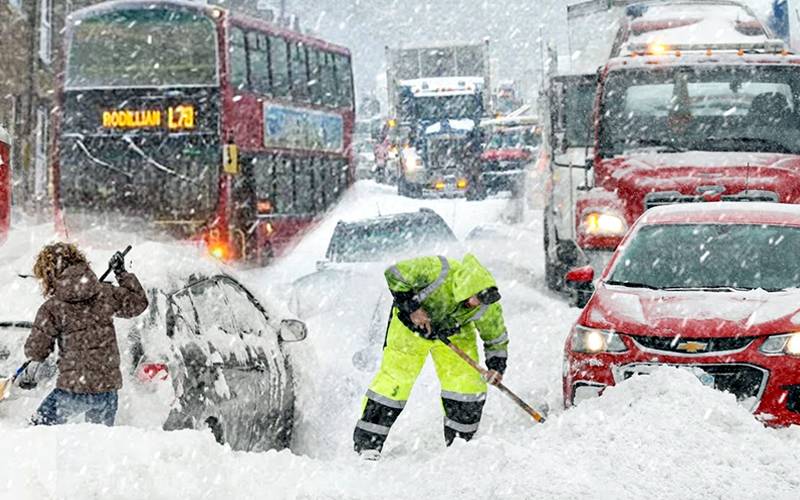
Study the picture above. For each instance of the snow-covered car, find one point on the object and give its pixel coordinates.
(713, 288)
(352, 272)
(205, 354)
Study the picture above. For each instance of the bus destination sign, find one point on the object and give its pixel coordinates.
(173, 118)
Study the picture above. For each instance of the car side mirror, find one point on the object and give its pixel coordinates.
(589, 164)
(293, 330)
(580, 281)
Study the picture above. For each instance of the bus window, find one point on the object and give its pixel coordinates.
(305, 191)
(238, 53)
(258, 55)
(315, 62)
(263, 174)
(328, 77)
(298, 72)
(345, 81)
(284, 188)
(280, 67)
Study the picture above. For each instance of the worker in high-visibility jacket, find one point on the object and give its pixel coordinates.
(435, 296)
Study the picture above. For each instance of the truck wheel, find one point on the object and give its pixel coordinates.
(554, 271)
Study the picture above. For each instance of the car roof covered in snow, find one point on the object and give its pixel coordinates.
(779, 214)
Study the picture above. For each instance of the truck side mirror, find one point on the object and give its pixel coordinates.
(580, 281)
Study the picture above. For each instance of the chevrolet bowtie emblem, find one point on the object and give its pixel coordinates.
(692, 347)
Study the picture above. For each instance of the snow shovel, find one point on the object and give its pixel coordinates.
(6, 383)
(108, 271)
(538, 417)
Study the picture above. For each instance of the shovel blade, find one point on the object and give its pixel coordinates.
(5, 388)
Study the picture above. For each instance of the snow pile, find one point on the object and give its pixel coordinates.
(660, 436)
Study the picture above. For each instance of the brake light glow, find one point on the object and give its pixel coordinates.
(219, 250)
(153, 372)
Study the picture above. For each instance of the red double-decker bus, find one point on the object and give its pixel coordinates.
(191, 120)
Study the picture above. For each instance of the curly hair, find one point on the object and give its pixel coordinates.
(52, 260)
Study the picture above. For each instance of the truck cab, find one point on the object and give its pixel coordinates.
(679, 125)
(443, 143)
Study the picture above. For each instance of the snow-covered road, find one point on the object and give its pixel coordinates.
(662, 436)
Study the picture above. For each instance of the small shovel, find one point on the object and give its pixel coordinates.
(6, 383)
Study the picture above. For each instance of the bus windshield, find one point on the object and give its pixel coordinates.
(142, 48)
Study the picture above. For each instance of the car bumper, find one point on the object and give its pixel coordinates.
(504, 180)
(767, 385)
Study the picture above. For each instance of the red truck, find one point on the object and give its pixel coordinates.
(681, 124)
(5, 183)
(680, 107)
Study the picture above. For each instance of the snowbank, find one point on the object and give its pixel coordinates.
(661, 436)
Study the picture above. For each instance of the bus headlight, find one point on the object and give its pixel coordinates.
(788, 343)
(593, 341)
(604, 224)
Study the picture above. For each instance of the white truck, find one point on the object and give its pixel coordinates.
(437, 97)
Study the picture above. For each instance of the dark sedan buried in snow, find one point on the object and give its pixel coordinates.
(713, 288)
(207, 354)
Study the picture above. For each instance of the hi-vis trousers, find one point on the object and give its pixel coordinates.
(463, 390)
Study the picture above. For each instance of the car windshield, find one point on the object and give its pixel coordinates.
(142, 48)
(711, 256)
(736, 108)
(373, 240)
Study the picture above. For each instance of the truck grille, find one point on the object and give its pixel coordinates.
(743, 381)
(692, 346)
(660, 198)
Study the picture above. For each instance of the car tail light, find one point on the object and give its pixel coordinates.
(153, 372)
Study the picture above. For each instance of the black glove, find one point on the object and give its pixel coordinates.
(27, 379)
(117, 263)
(405, 302)
(497, 364)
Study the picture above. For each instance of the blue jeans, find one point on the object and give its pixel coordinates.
(60, 405)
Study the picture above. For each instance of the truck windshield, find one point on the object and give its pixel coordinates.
(513, 139)
(734, 108)
(447, 107)
(711, 256)
(142, 48)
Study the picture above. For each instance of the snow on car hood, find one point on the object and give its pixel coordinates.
(694, 313)
(648, 172)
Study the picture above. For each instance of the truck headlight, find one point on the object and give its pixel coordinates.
(593, 341)
(604, 224)
(788, 343)
(411, 160)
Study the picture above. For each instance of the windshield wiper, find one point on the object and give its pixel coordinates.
(707, 288)
(666, 145)
(631, 284)
(747, 144)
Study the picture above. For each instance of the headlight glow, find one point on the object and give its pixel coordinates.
(788, 343)
(604, 224)
(411, 160)
(593, 341)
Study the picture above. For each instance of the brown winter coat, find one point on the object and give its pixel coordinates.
(79, 318)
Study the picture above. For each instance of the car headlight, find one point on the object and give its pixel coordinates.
(593, 340)
(604, 224)
(788, 343)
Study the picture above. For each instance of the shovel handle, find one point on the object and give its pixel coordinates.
(485, 374)
(108, 271)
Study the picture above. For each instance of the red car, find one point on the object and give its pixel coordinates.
(5, 183)
(711, 287)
